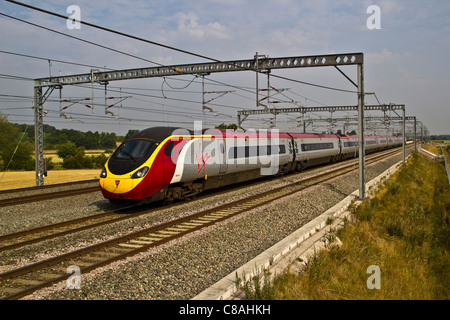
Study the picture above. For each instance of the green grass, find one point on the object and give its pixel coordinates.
(404, 230)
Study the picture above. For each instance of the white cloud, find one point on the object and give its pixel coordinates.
(382, 57)
(188, 24)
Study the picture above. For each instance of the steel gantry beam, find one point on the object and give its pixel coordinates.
(382, 107)
(360, 119)
(261, 65)
(374, 118)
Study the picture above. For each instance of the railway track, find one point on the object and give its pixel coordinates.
(43, 193)
(23, 281)
(20, 239)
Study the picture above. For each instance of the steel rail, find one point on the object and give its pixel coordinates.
(48, 186)
(22, 238)
(46, 196)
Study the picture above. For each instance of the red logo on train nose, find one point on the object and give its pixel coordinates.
(117, 183)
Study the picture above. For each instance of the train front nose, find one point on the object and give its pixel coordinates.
(121, 188)
(126, 186)
(117, 185)
(126, 168)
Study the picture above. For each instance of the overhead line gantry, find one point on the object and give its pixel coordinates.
(260, 65)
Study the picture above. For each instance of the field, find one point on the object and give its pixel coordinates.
(22, 179)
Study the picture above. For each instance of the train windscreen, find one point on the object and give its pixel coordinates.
(130, 155)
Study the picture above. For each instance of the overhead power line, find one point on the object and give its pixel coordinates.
(50, 59)
(211, 81)
(79, 39)
(170, 47)
(113, 31)
(13, 77)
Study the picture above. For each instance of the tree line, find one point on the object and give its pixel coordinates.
(53, 137)
(17, 146)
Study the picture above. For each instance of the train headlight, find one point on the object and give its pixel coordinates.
(103, 173)
(140, 173)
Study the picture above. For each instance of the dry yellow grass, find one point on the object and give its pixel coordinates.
(23, 179)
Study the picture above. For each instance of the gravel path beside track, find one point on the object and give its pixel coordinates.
(183, 268)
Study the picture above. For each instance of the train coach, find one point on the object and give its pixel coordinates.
(166, 163)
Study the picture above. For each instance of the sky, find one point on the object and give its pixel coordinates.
(404, 46)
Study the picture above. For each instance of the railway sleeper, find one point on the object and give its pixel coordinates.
(152, 239)
(7, 243)
(117, 249)
(108, 254)
(167, 233)
(80, 263)
(197, 222)
(143, 242)
(178, 229)
(255, 202)
(27, 282)
(61, 269)
(131, 245)
(157, 236)
(48, 276)
(193, 224)
(9, 290)
(93, 258)
(243, 206)
(220, 214)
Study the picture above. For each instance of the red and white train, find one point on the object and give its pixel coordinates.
(165, 163)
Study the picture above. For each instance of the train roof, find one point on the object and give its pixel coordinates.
(161, 133)
(312, 135)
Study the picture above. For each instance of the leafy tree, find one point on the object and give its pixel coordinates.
(13, 151)
(78, 161)
(71, 145)
(69, 149)
(21, 159)
(74, 157)
(99, 161)
(131, 133)
(108, 140)
(227, 126)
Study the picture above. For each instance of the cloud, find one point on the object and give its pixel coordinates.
(188, 24)
(384, 56)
